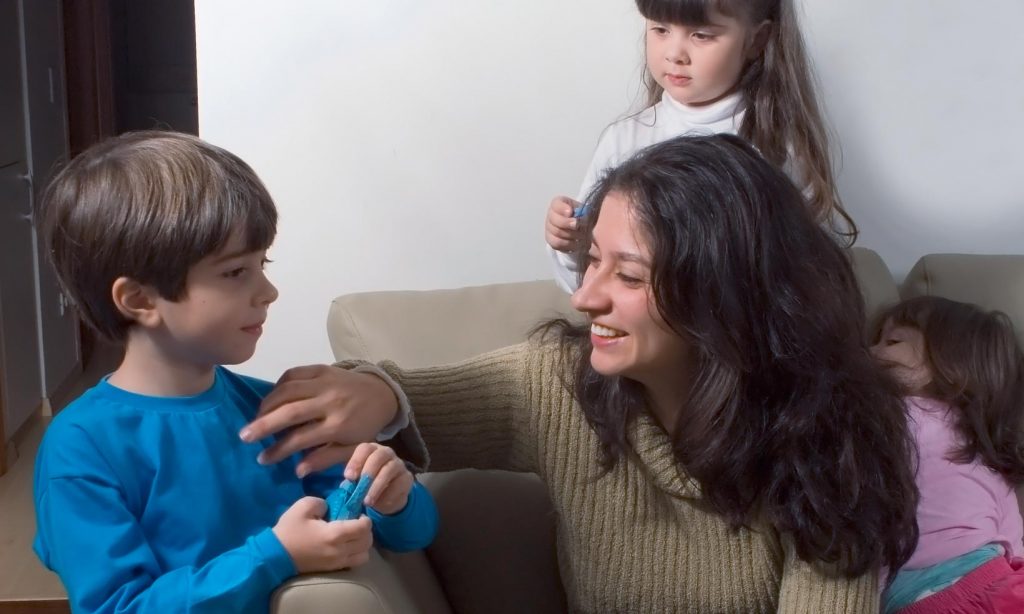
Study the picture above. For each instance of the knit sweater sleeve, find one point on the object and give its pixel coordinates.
(812, 588)
(479, 413)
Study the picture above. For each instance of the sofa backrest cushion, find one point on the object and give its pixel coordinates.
(876, 282)
(434, 327)
(993, 282)
(418, 328)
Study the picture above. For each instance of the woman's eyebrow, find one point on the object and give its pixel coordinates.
(631, 257)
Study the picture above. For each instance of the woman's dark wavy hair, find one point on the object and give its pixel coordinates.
(783, 117)
(789, 420)
(977, 366)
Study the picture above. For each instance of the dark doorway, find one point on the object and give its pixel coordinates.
(153, 45)
(130, 66)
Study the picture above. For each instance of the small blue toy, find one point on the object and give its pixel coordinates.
(581, 211)
(346, 502)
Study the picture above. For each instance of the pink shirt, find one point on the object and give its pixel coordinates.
(963, 507)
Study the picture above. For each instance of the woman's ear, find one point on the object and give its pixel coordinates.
(759, 39)
(135, 301)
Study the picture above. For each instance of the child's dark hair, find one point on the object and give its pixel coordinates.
(977, 366)
(147, 206)
(782, 118)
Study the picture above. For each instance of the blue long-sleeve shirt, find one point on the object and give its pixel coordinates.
(147, 504)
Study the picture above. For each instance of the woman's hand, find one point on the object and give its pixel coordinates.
(328, 411)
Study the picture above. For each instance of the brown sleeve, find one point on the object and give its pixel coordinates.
(472, 414)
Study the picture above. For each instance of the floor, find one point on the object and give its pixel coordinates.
(25, 585)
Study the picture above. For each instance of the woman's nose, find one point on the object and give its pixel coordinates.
(591, 296)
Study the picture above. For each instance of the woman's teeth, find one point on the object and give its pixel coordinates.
(604, 331)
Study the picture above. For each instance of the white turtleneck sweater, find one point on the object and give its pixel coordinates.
(655, 124)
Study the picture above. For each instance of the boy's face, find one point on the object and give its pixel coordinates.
(220, 318)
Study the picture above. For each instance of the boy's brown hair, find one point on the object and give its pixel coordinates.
(147, 206)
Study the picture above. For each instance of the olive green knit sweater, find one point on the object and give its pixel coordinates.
(634, 540)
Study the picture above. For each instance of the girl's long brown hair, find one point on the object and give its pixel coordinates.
(782, 116)
(977, 367)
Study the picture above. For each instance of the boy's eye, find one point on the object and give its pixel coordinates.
(703, 36)
(234, 272)
(659, 29)
(265, 262)
(892, 341)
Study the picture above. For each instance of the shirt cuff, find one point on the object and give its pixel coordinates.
(279, 563)
(401, 419)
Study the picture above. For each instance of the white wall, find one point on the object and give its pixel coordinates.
(414, 144)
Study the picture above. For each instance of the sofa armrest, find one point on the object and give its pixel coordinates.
(388, 583)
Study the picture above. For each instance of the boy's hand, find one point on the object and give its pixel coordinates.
(391, 479)
(560, 227)
(317, 545)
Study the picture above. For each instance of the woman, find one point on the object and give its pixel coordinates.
(718, 439)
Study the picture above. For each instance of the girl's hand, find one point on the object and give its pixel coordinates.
(560, 227)
(328, 411)
(392, 481)
(317, 545)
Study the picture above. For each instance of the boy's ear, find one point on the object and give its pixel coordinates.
(759, 39)
(135, 301)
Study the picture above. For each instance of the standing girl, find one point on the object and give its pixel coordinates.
(717, 66)
(965, 374)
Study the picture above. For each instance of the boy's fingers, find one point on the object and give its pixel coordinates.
(380, 457)
(397, 493)
(311, 507)
(357, 559)
(387, 475)
(354, 467)
(349, 531)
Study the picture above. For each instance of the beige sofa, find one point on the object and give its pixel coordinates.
(495, 551)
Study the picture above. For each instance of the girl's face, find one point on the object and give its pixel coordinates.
(698, 65)
(629, 336)
(901, 349)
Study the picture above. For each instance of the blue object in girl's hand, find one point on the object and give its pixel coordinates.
(581, 211)
(346, 502)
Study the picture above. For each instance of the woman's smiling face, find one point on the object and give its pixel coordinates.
(629, 336)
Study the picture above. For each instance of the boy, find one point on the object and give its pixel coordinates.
(146, 500)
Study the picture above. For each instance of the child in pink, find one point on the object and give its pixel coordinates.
(964, 372)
